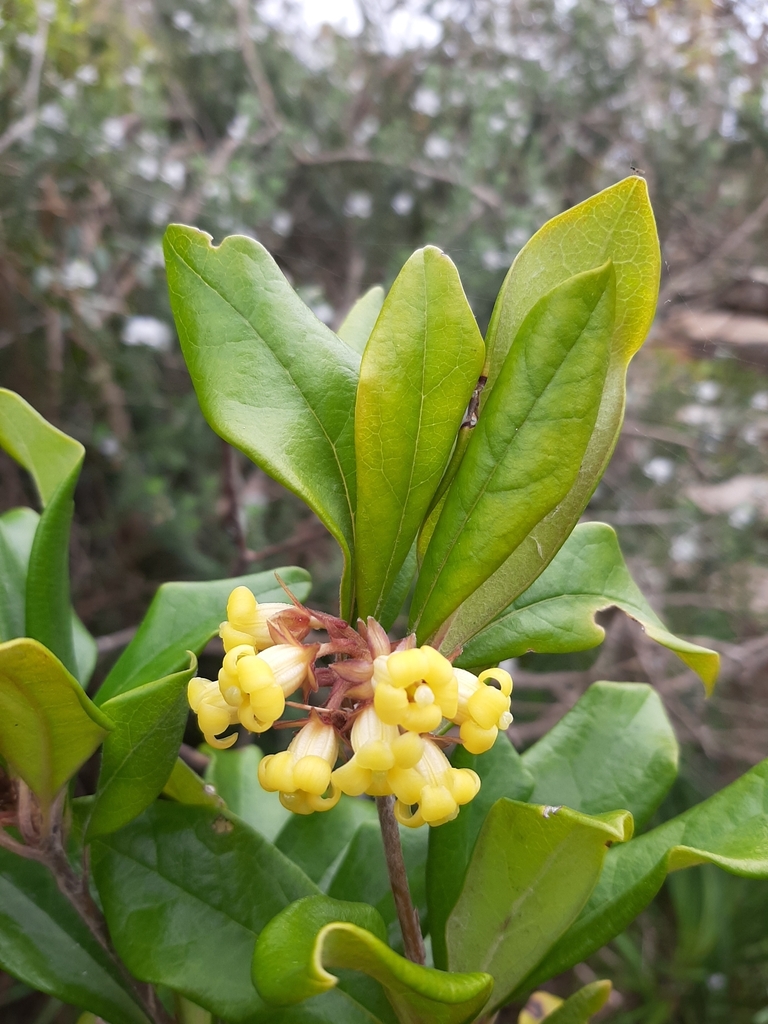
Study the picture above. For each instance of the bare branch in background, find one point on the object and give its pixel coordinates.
(256, 68)
(26, 123)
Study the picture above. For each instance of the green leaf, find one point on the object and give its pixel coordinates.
(234, 776)
(139, 754)
(614, 748)
(525, 452)
(578, 1009)
(359, 321)
(502, 774)
(295, 949)
(54, 461)
(532, 870)
(316, 841)
(271, 379)
(183, 617)
(616, 224)
(418, 372)
(45, 944)
(186, 787)
(399, 592)
(730, 829)
(17, 534)
(48, 455)
(361, 877)
(185, 891)
(48, 726)
(556, 614)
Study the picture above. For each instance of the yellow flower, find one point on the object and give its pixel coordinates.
(442, 790)
(214, 714)
(256, 685)
(415, 689)
(302, 773)
(247, 620)
(483, 707)
(383, 760)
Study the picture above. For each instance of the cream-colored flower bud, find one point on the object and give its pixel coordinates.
(214, 714)
(263, 681)
(302, 773)
(383, 760)
(442, 790)
(247, 620)
(483, 707)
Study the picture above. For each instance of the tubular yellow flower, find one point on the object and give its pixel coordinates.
(415, 689)
(443, 789)
(302, 773)
(483, 707)
(256, 685)
(383, 761)
(214, 714)
(247, 620)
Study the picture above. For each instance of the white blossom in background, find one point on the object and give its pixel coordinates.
(132, 76)
(402, 203)
(173, 173)
(426, 101)
(358, 204)
(323, 311)
(183, 20)
(366, 130)
(437, 148)
(742, 516)
(113, 131)
(494, 259)
(147, 330)
(684, 548)
(238, 127)
(282, 223)
(147, 167)
(160, 213)
(87, 74)
(77, 275)
(760, 401)
(659, 469)
(52, 116)
(708, 391)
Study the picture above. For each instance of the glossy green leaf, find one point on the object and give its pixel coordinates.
(186, 787)
(532, 870)
(45, 944)
(358, 323)
(527, 447)
(295, 949)
(270, 377)
(316, 841)
(502, 774)
(399, 592)
(54, 461)
(615, 224)
(418, 372)
(185, 891)
(183, 617)
(556, 614)
(361, 876)
(730, 829)
(234, 775)
(17, 533)
(139, 754)
(614, 748)
(582, 1005)
(48, 726)
(48, 455)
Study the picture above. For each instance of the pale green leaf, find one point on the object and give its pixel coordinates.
(358, 323)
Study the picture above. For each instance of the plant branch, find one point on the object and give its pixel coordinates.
(413, 943)
(26, 123)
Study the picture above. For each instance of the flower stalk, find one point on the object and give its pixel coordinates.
(407, 915)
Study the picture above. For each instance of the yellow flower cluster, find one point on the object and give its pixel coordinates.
(414, 691)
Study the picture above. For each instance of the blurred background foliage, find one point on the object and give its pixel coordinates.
(342, 147)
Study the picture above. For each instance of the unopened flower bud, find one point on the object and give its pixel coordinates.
(248, 621)
(214, 713)
(302, 773)
(441, 790)
(483, 707)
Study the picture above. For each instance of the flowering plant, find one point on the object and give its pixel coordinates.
(453, 472)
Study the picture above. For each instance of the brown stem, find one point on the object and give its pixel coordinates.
(413, 943)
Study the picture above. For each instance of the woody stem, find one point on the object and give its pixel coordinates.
(413, 943)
